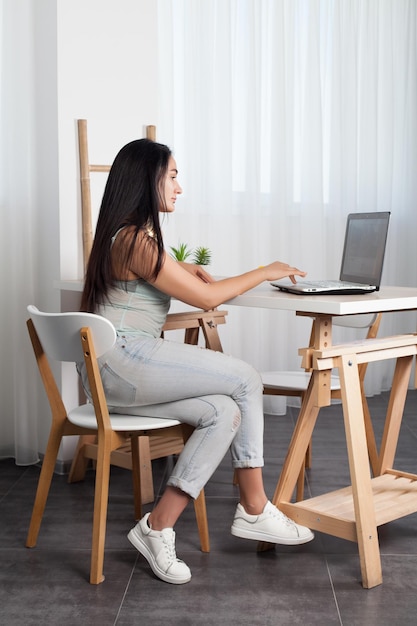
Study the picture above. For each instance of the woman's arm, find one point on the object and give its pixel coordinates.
(197, 270)
(194, 290)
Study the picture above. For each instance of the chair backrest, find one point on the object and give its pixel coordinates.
(59, 333)
(367, 320)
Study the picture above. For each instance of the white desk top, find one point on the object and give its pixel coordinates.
(267, 297)
(386, 299)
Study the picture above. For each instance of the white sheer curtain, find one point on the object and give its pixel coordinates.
(18, 427)
(285, 116)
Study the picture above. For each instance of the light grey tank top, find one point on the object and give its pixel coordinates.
(140, 310)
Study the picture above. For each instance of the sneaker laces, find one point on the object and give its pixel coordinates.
(168, 538)
(275, 512)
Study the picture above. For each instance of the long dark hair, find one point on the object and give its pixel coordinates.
(132, 197)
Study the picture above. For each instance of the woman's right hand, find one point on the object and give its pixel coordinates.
(278, 270)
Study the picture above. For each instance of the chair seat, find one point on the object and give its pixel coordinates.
(296, 381)
(85, 416)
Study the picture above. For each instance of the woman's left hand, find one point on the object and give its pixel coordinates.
(198, 271)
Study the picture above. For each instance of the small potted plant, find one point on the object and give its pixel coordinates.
(182, 252)
(200, 255)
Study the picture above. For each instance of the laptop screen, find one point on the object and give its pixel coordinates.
(364, 247)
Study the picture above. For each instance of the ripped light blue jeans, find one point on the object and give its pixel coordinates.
(219, 395)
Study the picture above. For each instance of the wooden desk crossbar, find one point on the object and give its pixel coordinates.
(354, 512)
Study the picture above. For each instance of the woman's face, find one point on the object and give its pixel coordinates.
(171, 186)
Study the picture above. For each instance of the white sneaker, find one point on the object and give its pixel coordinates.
(271, 525)
(158, 548)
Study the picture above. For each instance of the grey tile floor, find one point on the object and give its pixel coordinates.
(318, 583)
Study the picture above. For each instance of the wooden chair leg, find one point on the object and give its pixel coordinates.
(136, 475)
(199, 503)
(146, 477)
(101, 496)
(202, 524)
(44, 483)
(80, 462)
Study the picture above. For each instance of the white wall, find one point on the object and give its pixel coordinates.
(107, 74)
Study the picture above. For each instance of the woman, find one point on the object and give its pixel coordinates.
(130, 280)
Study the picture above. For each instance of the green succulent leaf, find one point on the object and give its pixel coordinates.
(202, 256)
(181, 253)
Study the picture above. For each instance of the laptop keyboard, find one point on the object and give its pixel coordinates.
(322, 283)
(326, 284)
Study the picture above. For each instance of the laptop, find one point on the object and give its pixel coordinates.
(362, 260)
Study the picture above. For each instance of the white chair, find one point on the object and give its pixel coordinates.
(77, 337)
(295, 383)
